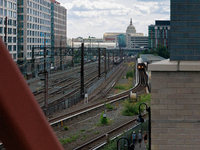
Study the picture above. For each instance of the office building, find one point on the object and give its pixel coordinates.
(8, 8)
(34, 27)
(159, 34)
(58, 30)
(133, 39)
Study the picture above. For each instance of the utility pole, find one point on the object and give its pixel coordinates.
(105, 62)
(5, 37)
(61, 54)
(82, 70)
(113, 57)
(72, 53)
(45, 78)
(99, 70)
(108, 61)
(33, 63)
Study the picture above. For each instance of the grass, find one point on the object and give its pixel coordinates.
(129, 74)
(131, 109)
(109, 106)
(125, 86)
(70, 139)
(96, 132)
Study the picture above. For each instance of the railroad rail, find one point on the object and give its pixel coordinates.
(140, 86)
(100, 139)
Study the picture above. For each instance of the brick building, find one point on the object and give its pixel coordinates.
(175, 83)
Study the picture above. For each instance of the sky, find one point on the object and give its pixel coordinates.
(95, 17)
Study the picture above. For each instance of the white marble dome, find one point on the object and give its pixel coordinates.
(131, 28)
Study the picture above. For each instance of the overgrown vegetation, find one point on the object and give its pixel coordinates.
(160, 51)
(126, 86)
(70, 139)
(109, 106)
(129, 74)
(131, 109)
(66, 128)
(104, 120)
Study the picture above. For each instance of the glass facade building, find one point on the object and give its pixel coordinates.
(8, 8)
(58, 30)
(159, 34)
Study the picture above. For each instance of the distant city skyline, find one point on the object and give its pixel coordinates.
(95, 17)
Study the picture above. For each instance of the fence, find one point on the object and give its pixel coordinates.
(122, 145)
(102, 80)
(69, 102)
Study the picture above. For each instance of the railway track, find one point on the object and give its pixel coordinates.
(112, 133)
(140, 86)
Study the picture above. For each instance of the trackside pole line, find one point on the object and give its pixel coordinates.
(23, 124)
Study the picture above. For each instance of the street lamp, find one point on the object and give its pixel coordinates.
(130, 147)
(140, 119)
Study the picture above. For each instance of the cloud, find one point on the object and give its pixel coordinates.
(95, 17)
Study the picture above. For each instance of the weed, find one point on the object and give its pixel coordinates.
(82, 130)
(96, 132)
(66, 128)
(130, 74)
(109, 106)
(104, 120)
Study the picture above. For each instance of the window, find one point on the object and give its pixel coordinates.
(9, 22)
(14, 39)
(14, 6)
(14, 23)
(9, 5)
(20, 10)
(9, 39)
(14, 47)
(14, 56)
(10, 48)
(14, 15)
(21, 17)
(9, 30)
(5, 12)
(1, 2)
(9, 13)
(21, 25)
(20, 2)
(14, 31)
(21, 32)
(5, 3)
(21, 40)
(1, 20)
(1, 11)
(1, 29)
(27, 10)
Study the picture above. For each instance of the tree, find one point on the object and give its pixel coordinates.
(162, 51)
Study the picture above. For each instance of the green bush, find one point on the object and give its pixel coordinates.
(131, 109)
(104, 120)
(130, 74)
(66, 128)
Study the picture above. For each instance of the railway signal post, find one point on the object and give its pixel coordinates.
(82, 70)
(45, 78)
(99, 70)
